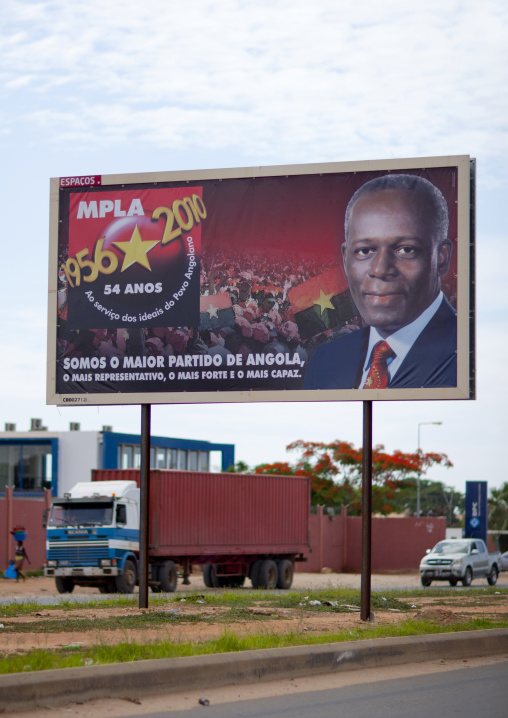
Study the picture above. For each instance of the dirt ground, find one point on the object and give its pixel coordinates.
(448, 608)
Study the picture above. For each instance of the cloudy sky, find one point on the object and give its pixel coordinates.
(100, 88)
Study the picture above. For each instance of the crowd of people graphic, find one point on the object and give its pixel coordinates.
(256, 316)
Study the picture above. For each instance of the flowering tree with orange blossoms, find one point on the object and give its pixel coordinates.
(335, 470)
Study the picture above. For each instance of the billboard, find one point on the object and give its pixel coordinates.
(477, 510)
(337, 281)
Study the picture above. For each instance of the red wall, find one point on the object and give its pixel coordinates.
(327, 543)
(27, 512)
(5, 538)
(398, 544)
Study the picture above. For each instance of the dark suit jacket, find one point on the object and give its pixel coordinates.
(431, 361)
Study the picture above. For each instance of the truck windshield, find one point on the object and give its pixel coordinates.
(451, 547)
(81, 514)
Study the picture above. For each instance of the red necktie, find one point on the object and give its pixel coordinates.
(378, 378)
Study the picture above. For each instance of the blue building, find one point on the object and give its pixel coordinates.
(37, 459)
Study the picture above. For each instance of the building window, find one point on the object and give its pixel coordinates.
(26, 467)
(161, 458)
(193, 460)
(182, 459)
(204, 461)
(173, 458)
(126, 456)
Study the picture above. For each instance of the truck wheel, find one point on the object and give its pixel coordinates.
(468, 577)
(492, 577)
(168, 576)
(285, 574)
(254, 573)
(208, 575)
(268, 574)
(127, 580)
(426, 581)
(452, 581)
(64, 585)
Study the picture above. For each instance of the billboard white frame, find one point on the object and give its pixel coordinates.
(465, 282)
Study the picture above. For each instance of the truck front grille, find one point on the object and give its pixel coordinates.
(84, 553)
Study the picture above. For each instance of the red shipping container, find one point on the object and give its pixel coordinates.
(202, 514)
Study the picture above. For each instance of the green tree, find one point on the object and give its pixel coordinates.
(498, 509)
(239, 468)
(436, 499)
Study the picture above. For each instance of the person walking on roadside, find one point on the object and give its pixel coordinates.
(19, 559)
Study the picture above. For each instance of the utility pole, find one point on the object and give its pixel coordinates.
(423, 423)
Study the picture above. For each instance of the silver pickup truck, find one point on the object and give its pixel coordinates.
(457, 560)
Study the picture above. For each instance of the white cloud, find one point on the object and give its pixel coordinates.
(260, 74)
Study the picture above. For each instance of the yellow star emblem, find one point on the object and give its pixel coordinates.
(212, 311)
(323, 302)
(136, 250)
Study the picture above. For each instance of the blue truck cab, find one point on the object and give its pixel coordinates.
(92, 537)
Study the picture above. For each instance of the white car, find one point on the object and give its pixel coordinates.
(457, 560)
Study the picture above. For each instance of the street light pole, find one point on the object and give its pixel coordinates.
(423, 423)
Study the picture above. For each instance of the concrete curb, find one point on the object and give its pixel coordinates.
(23, 691)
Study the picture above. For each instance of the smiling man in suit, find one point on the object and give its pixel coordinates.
(395, 253)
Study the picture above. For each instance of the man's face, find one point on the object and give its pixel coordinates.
(392, 263)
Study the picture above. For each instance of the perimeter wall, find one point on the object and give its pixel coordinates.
(398, 544)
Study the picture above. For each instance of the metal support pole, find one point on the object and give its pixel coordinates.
(144, 508)
(418, 480)
(365, 613)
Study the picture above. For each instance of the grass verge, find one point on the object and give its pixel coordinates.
(74, 656)
(243, 599)
(165, 609)
(119, 623)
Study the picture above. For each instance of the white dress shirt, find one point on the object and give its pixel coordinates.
(400, 341)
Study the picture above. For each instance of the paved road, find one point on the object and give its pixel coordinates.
(468, 693)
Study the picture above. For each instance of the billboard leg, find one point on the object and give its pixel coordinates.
(365, 613)
(144, 485)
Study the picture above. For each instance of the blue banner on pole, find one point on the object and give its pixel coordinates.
(476, 510)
